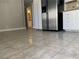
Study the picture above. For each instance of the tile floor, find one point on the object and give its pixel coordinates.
(39, 45)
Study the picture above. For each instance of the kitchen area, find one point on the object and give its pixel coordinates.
(56, 15)
(71, 15)
(65, 15)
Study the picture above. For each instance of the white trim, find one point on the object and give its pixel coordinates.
(12, 29)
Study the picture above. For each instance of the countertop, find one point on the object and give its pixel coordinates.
(71, 10)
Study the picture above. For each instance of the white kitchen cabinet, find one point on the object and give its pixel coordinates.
(71, 20)
(67, 20)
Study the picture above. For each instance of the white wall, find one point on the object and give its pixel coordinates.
(37, 16)
(11, 14)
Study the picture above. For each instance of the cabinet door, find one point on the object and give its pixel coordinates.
(71, 20)
(76, 20)
(67, 20)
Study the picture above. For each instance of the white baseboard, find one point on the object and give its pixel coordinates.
(37, 28)
(12, 29)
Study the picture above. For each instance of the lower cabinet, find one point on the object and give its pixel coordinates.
(71, 20)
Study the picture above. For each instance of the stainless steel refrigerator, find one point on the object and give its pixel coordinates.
(52, 14)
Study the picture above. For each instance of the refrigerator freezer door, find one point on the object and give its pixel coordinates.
(44, 21)
(53, 14)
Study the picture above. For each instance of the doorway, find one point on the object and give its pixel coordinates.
(28, 16)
